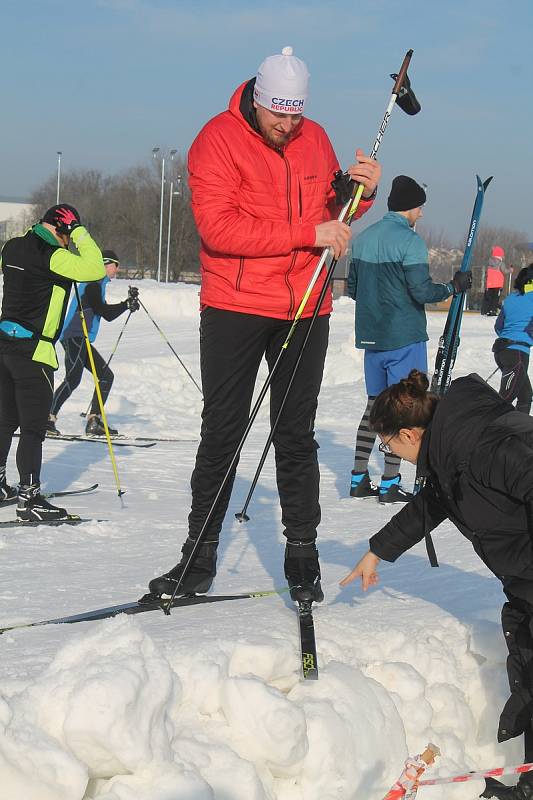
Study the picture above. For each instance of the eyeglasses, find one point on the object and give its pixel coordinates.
(384, 447)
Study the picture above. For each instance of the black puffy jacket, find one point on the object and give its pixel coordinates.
(477, 458)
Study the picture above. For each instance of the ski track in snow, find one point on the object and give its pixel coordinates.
(208, 703)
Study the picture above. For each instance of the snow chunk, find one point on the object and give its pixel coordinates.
(105, 698)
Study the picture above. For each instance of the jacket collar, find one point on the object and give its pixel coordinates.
(398, 218)
(44, 233)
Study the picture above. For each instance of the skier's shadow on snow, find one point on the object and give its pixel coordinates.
(74, 461)
(261, 533)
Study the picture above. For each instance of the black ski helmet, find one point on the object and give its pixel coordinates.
(52, 218)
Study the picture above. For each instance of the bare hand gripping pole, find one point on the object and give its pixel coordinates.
(401, 93)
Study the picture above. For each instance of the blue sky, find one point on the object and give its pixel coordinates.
(107, 80)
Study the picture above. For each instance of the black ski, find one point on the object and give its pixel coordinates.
(139, 608)
(449, 341)
(69, 492)
(307, 641)
(48, 495)
(119, 441)
(159, 439)
(71, 519)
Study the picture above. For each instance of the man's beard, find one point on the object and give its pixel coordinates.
(275, 141)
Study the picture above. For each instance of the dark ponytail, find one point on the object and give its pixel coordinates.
(406, 404)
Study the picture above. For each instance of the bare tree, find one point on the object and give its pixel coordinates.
(122, 212)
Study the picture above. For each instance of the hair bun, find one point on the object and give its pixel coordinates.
(416, 384)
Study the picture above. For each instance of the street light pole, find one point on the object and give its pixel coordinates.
(59, 154)
(172, 154)
(155, 151)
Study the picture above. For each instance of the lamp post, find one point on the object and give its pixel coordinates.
(172, 154)
(155, 151)
(59, 154)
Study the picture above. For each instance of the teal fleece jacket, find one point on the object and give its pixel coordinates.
(389, 280)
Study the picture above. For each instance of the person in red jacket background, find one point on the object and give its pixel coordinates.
(494, 281)
(261, 178)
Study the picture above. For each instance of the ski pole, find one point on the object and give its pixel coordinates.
(491, 374)
(168, 343)
(402, 93)
(120, 491)
(113, 351)
(242, 515)
(350, 209)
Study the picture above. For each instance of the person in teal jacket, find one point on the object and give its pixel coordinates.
(93, 300)
(389, 280)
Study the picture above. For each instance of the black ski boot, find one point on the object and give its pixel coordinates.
(522, 791)
(390, 491)
(361, 486)
(7, 492)
(51, 429)
(33, 507)
(95, 426)
(198, 579)
(302, 571)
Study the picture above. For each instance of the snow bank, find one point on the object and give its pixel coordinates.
(116, 717)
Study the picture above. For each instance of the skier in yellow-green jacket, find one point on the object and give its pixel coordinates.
(38, 272)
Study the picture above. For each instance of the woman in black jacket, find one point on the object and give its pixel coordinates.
(474, 458)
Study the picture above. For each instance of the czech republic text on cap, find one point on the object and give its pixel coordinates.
(281, 83)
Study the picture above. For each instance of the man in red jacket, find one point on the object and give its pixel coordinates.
(261, 182)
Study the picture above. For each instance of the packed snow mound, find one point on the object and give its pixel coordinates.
(117, 717)
(166, 301)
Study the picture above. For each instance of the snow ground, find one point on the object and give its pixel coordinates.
(208, 703)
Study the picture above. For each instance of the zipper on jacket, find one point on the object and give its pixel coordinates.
(239, 275)
(289, 215)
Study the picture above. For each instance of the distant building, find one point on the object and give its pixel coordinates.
(15, 217)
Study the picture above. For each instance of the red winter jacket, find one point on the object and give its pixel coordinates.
(256, 211)
(494, 278)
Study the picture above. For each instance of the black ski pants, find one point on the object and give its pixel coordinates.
(76, 360)
(490, 301)
(26, 390)
(515, 383)
(232, 346)
(517, 715)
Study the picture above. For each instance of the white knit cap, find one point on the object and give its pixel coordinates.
(281, 83)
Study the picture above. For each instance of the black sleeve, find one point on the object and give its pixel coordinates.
(93, 297)
(418, 517)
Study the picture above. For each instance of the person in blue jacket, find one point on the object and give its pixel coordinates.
(389, 280)
(514, 327)
(76, 357)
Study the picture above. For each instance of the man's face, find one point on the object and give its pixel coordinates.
(276, 128)
(111, 268)
(414, 215)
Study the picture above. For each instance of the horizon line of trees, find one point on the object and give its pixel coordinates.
(122, 212)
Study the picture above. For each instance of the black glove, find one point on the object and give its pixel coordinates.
(462, 281)
(132, 301)
(343, 187)
(67, 219)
